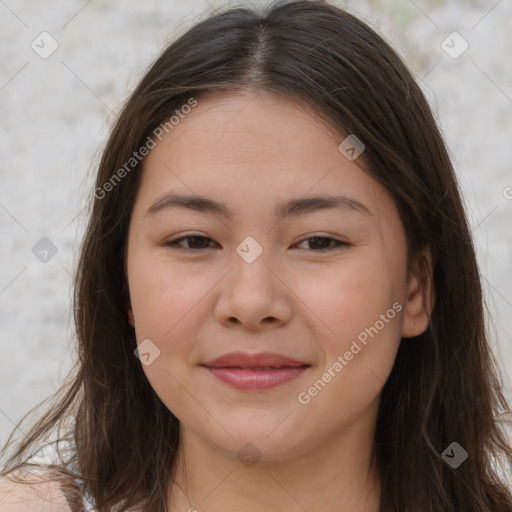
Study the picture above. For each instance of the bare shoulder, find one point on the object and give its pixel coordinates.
(35, 492)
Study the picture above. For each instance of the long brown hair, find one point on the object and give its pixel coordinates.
(444, 386)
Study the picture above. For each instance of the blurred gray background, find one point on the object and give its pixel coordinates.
(68, 66)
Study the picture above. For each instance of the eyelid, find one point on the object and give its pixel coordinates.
(174, 243)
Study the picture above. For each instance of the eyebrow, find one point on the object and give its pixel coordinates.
(292, 207)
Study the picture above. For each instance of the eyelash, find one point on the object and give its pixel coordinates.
(174, 244)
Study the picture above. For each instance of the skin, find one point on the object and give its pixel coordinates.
(251, 150)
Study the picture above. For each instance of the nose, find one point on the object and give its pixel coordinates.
(254, 294)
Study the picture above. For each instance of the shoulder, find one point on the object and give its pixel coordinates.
(28, 492)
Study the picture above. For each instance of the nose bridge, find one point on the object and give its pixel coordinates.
(250, 250)
(251, 261)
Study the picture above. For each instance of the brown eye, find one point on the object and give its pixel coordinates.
(197, 242)
(323, 243)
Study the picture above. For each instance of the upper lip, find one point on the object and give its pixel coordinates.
(260, 360)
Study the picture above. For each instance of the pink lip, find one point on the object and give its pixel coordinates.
(255, 371)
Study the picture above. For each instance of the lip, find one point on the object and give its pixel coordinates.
(245, 360)
(255, 371)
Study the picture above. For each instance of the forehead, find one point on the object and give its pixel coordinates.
(254, 151)
(239, 126)
(251, 137)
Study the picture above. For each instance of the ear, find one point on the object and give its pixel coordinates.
(131, 318)
(420, 295)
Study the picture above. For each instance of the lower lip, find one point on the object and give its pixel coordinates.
(247, 379)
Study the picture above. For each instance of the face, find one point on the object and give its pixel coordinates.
(322, 284)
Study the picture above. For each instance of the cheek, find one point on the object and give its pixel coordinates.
(167, 301)
(163, 294)
(359, 353)
(359, 305)
(350, 296)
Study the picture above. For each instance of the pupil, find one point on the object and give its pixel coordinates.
(195, 238)
(325, 241)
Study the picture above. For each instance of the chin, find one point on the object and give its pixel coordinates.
(265, 443)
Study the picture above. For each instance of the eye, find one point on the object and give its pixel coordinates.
(321, 243)
(196, 240)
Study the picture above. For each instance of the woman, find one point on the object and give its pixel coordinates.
(261, 371)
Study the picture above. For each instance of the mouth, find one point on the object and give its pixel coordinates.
(255, 371)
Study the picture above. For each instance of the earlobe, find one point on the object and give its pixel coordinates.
(420, 296)
(131, 317)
